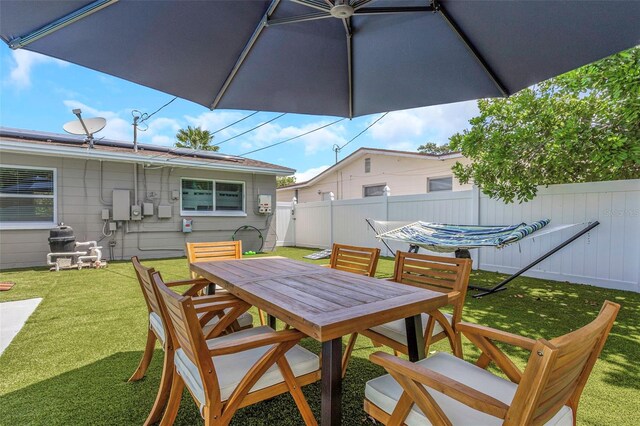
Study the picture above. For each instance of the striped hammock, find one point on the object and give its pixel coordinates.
(445, 238)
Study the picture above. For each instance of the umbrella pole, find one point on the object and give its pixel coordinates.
(500, 287)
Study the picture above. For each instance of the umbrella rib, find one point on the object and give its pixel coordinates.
(465, 40)
(299, 18)
(392, 10)
(83, 12)
(245, 52)
(347, 28)
(312, 4)
(359, 3)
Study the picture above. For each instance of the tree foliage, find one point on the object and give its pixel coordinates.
(581, 126)
(285, 181)
(435, 149)
(195, 138)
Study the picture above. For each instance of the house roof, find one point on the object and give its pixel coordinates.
(369, 151)
(54, 144)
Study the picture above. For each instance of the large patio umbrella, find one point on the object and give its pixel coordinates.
(329, 57)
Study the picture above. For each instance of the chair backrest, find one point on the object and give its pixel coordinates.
(359, 260)
(438, 273)
(558, 370)
(207, 252)
(144, 279)
(181, 320)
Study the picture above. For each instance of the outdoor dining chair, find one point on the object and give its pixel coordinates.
(212, 251)
(156, 330)
(235, 370)
(445, 390)
(359, 260)
(443, 274)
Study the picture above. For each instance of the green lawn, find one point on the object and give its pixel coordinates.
(70, 363)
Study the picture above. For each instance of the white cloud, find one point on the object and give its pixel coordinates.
(321, 139)
(24, 62)
(411, 128)
(310, 173)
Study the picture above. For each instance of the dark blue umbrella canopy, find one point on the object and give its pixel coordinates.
(327, 57)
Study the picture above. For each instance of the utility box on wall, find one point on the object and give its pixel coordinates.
(164, 212)
(121, 204)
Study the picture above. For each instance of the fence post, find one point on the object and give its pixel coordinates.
(292, 222)
(331, 198)
(387, 194)
(475, 220)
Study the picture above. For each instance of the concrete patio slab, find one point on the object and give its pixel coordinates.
(13, 316)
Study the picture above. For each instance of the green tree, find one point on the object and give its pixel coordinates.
(435, 149)
(582, 126)
(285, 181)
(195, 138)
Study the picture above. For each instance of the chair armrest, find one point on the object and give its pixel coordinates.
(191, 281)
(210, 298)
(452, 296)
(220, 306)
(252, 342)
(441, 383)
(494, 334)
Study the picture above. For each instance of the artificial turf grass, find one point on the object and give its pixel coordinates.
(70, 363)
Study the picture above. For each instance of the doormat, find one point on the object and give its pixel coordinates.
(6, 285)
(324, 254)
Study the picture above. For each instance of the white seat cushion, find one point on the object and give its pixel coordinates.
(397, 330)
(230, 369)
(385, 392)
(155, 322)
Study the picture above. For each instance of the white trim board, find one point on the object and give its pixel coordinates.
(13, 316)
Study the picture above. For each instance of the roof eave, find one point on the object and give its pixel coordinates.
(87, 154)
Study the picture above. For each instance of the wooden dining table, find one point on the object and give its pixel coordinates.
(325, 304)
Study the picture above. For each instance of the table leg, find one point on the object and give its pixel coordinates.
(332, 382)
(271, 321)
(415, 338)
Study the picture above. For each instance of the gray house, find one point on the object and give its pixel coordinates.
(147, 201)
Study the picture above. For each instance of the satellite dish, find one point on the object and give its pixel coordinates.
(85, 127)
(90, 126)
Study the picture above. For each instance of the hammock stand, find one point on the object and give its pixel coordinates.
(484, 291)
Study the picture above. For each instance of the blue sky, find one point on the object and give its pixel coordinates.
(38, 93)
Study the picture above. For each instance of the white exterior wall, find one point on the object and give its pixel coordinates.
(404, 175)
(608, 256)
(79, 206)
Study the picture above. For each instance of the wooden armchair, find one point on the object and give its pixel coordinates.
(445, 390)
(235, 370)
(442, 274)
(212, 251)
(157, 330)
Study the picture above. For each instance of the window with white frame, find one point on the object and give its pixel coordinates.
(205, 197)
(373, 190)
(440, 184)
(27, 197)
(367, 165)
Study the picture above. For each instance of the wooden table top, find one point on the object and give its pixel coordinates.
(321, 302)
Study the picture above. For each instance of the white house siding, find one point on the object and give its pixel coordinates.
(79, 206)
(404, 175)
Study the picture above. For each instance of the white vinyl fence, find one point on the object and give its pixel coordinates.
(608, 256)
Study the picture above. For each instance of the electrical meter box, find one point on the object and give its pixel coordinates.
(164, 212)
(105, 214)
(121, 204)
(264, 204)
(136, 212)
(187, 225)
